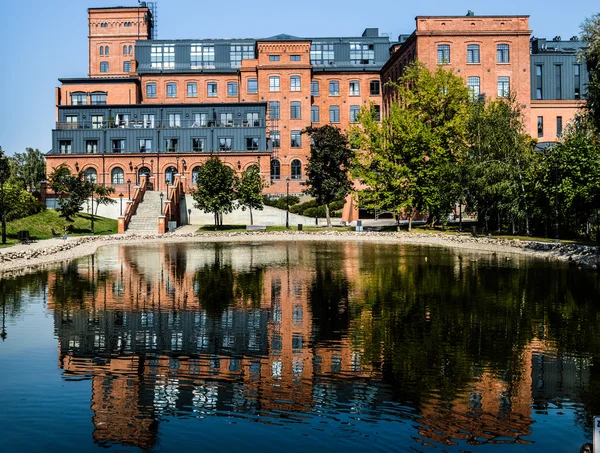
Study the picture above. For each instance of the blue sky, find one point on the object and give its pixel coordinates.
(45, 40)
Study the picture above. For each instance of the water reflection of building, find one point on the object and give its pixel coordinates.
(165, 331)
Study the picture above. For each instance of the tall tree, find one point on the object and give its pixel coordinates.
(72, 190)
(327, 172)
(409, 157)
(30, 168)
(249, 190)
(591, 35)
(215, 191)
(4, 175)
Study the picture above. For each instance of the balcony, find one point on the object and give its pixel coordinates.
(159, 124)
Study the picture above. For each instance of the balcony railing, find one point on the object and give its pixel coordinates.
(161, 124)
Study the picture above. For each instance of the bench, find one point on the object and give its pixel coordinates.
(256, 228)
(24, 237)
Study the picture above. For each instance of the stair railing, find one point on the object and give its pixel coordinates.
(171, 211)
(132, 205)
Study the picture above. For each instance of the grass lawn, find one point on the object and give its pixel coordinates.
(41, 225)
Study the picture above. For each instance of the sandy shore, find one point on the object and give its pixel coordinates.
(24, 258)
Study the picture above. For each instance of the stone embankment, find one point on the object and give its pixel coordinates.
(19, 258)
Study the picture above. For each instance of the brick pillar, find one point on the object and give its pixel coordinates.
(121, 224)
(162, 224)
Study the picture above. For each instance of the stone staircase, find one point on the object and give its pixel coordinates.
(145, 220)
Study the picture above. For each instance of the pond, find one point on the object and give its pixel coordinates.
(293, 346)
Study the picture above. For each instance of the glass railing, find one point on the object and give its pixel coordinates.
(163, 124)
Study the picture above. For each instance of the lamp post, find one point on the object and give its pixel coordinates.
(287, 202)
(167, 183)
(121, 201)
(161, 202)
(92, 209)
(129, 189)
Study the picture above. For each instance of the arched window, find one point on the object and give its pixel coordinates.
(195, 172)
(143, 171)
(105, 50)
(124, 50)
(296, 169)
(101, 50)
(91, 175)
(130, 50)
(170, 174)
(275, 169)
(117, 176)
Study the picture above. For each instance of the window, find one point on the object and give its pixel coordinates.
(252, 86)
(98, 98)
(334, 114)
(474, 87)
(232, 89)
(101, 51)
(174, 119)
(192, 89)
(473, 53)
(90, 175)
(127, 24)
(295, 83)
(296, 169)
(202, 56)
(148, 120)
(104, 25)
(251, 143)
(104, 66)
(170, 173)
(124, 50)
(314, 88)
(334, 88)
(540, 126)
(225, 144)
(273, 57)
(274, 111)
(376, 112)
(558, 80)
(354, 88)
(362, 53)
(226, 119)
(274, 83)
(118, 146)
(145, 145)
(212, 89)
(354, 111)
(295, 139)
(127, 66)
(275, 169)
(151, 90)
(78, 99)
(252, 118)
(130, 50)
(577, 82)
(374, 87)
(198, 145)
(106, 50)
(97, 121)
(71, 121)
(240, 52)
(162, 56)
(294, 57)
(64, 146)
(276, 138)
(200, 120)
(171, 90)
(502, 53)
(117, 176)
(443, 53)
(503, 87)
(172, 145)
(295, 110)
(539, 92)
(91, 146)
(559, 126)
(321, 54)
(314, 114)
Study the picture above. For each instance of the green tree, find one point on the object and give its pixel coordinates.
(215, 191)
(249, 190)
(30, 168)
(72, 190)
(4, 176)
(327, 172)
(409, 159)
(499, 168)
(591, 35)
(102, 195)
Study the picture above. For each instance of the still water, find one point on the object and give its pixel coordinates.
(299, 346)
